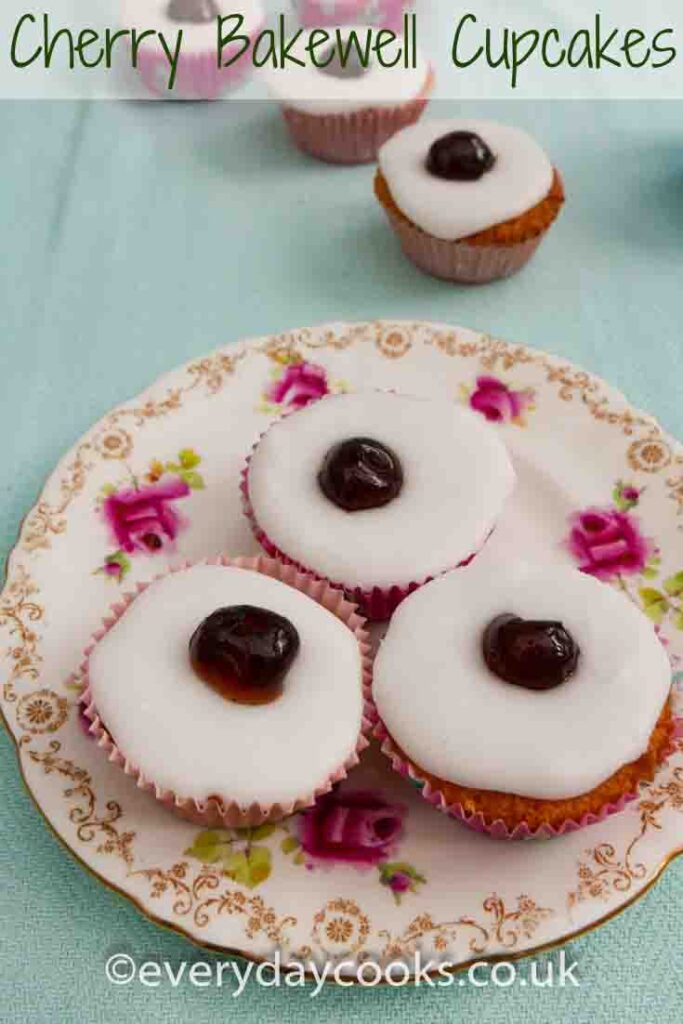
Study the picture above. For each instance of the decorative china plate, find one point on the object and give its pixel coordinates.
(157, 482)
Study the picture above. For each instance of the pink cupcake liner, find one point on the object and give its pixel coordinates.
(319, 13)
(198, 77)
(354, 137)
(461, 261)
(476, 821)
(376, 603)
(220, 810)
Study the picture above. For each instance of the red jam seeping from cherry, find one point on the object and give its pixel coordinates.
(360, 474)
(193, 12)
(460, 156)
(535, 654)
(244, 653)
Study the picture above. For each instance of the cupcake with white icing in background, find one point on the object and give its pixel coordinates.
(377, 492)
(198, 76)
(233, 691)
(523, 700)
(469, 200)
(343, 112)
(382, 13)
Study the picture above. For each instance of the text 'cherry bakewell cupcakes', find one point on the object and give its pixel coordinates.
(233, 691)
(198, 75)
(377, 492)
(470, 201)
(342, 111)
(523, 700)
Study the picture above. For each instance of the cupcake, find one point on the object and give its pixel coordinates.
(198, 76)
(342, 111)
(382, 13)
(232, 691)
(543, 698)
(377, 492)
(470, 201)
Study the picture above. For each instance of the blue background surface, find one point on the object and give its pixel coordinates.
(136, 236)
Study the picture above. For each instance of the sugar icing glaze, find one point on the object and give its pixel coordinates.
(520, 178)
(311, 91)
(458, 721)
(186, 737)
(457, 477)
(148, 14)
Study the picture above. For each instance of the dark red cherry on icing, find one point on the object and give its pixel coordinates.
(244, 653)
(193, 12)
(535, 654)
(360, 474)
(460, 156)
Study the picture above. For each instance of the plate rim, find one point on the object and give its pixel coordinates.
(243, 346)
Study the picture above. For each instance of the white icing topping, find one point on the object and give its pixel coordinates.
(520, 178)
(457, 477)
(184, 736)
(460, 722)
(151, 14)
(312, 91)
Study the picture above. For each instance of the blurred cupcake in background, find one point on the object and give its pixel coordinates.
(469, 200)
(381, 13)
(198, 76)
(343, 111)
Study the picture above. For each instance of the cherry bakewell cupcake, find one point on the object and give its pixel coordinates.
(470, 201)
(343, 112)
(543, 698)
(377, 492)
(198, 77)
(233, 691)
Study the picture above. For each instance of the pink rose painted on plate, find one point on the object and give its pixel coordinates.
(145, 519)
(142, 517)
(607, 543)
(360, 828)
(500, 403)
(400, 878)
(298, 385)
(629, 495)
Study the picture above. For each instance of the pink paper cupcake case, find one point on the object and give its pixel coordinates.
(376, 604)
(476, 821)
(220, 810)
(461, 261)
(198, 77)
(354, 137)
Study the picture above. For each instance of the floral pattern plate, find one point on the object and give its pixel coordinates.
(157, 481)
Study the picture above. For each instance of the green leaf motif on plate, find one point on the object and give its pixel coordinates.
(211, 847)
(233, 852)
(188, 458)
(289, 844)
(674, 585)
(249, 867)
(655, 604)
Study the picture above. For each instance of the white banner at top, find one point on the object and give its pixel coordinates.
(240, 49)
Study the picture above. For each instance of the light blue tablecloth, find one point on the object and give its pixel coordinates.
(137, 236)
